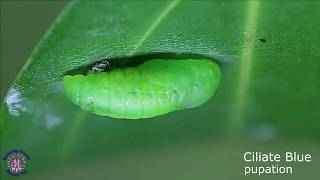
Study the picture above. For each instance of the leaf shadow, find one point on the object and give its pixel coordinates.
(136, 60)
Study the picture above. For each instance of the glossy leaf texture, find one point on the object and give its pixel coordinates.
(268, 98)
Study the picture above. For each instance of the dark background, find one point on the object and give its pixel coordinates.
(23, 23)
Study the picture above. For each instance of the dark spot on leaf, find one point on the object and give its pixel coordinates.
(263, 40)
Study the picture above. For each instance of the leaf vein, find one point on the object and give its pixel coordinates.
(156, 23)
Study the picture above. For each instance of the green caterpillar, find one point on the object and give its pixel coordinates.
(154, 88)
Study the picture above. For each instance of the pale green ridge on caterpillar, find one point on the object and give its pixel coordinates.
(154, 88)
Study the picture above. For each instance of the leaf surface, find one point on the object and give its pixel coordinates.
(269, 55)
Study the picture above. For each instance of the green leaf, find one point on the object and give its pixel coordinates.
(269, 92)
